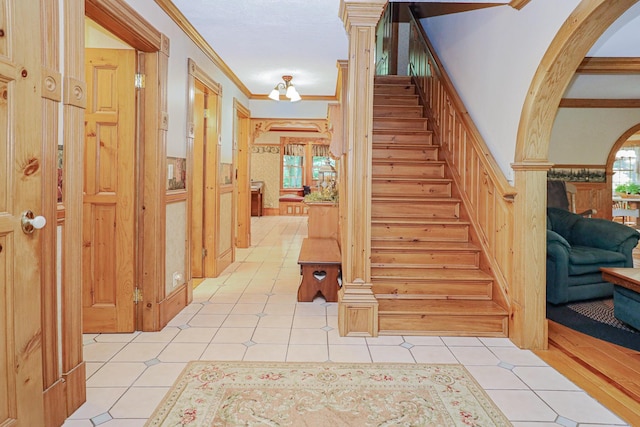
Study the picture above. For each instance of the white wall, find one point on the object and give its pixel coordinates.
(491, 56)
(182, 48)
(268, 109)
(586, 135)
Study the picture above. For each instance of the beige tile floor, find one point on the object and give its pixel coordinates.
(250, 312)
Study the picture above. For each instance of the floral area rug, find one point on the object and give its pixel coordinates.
(325, 394)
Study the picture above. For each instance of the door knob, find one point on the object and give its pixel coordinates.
(31, 222)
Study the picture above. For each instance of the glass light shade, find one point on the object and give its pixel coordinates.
(275, 94)
(295, 97)
(291, 91)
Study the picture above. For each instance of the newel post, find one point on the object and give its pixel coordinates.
(357, 306)
(528, 324)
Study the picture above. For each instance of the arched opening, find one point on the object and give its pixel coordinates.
(581, 30)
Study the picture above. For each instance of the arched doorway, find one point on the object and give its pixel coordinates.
(574, 39)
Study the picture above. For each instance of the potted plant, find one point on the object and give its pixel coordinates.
(629, 188)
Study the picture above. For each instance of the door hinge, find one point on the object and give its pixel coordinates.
(137, 295)
(139, 81)
(205, 252)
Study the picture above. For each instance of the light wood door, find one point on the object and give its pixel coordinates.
(21, 402)
(109, 191)
(205, 182)
(198, 249)
(243, 229)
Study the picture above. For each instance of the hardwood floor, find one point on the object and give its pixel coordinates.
(609, 373)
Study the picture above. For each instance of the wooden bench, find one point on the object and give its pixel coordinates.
(320, 263)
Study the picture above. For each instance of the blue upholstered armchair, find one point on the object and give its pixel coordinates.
(576, 249)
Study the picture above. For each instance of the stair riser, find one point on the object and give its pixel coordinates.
(455, 325)
(380, 209)
(399, 111)
(393, 80)
(427, 153)
(425, 259)
(404, 124)
(411, 188)
(426, 232)
(394, 89)
(389, 99)
(460, 290)
(409, 170)
(391, 138)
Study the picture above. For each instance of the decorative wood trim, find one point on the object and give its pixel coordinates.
(51, 84)
(615, 65)
(73, 135)
(127, 24)
(54, 391)
(174, 303)
(154, 159)
(76, 380)
(75, 92)
(175, 196)
(172, 11)
(200, 74)
(55, 404)
(261, 126)
(518, 4)
(599, 103)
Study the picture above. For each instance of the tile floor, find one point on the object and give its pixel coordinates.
(250, 312)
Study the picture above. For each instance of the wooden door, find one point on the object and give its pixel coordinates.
(241, 152)
(204, 182)
(109, 189)
(21, 402)
(198, 249)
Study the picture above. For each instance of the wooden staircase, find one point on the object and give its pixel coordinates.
(426, 270)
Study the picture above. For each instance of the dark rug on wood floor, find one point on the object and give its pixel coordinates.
(595, 318)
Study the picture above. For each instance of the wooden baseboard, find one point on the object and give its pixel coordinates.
(55, 404)
(270, 211)
(76, 380)
(172, 305)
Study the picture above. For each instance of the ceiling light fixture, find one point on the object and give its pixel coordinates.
(288, 88)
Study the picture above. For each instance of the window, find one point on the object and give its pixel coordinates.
(303, 163)
(292, 171)
(625, 166)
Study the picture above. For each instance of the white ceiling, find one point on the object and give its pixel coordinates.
(262, 40)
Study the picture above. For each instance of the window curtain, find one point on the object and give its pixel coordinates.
(320, 150)
(294, 150)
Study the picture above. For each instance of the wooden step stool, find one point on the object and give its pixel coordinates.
(320, 263)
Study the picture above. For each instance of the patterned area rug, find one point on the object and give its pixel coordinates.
(600, 311)
(330, 394)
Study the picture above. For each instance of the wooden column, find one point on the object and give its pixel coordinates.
(528, 323)
(358, 307)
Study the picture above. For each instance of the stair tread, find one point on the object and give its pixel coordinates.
(412, 160)
(392, 131)
(419, 222)
(404, 179)
(420, 246)
(401, 198)
(459, 307)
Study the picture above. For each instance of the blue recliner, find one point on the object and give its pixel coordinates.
(576, 249)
